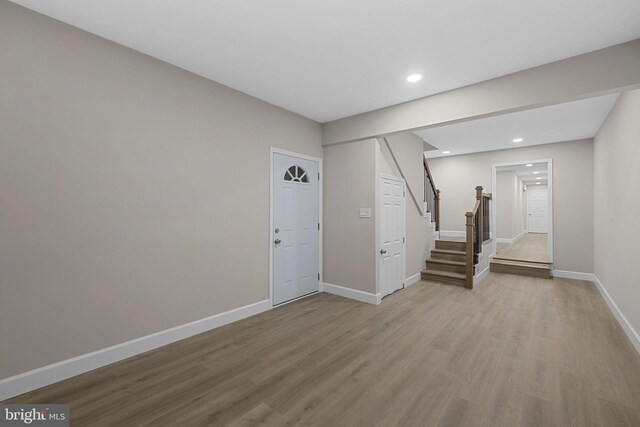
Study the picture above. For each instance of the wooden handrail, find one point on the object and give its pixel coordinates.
(435, 215)
(426, 168)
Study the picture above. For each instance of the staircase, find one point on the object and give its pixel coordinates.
(447, 263)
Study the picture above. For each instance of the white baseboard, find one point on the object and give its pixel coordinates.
(480, 276)
(514, 240)
(589, 277)
(450, 233)
(351, 293)
(436, 234)
(31, 380)
(412, 280)
(632, 334)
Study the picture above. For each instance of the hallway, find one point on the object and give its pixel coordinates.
(531, 247)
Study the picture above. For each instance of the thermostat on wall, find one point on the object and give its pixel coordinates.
(365, 212)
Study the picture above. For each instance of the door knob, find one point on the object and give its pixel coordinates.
(277, 241)
(383, 251)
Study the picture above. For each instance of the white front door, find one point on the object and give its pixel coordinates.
(392, 228)
(295, 234)
(537, 211)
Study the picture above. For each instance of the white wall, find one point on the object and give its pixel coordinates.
(457, 176)
(616, 181)
(509, 206)
(134, 196)
(517, 215)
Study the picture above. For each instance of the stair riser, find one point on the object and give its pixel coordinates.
(452, 246)
(445, 267)
(439, 279)
(521, 271)
(448, 257)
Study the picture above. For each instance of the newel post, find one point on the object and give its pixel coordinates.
(469, 251)
(480, 224)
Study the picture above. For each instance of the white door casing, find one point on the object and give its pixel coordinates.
(537, 211)
(295, 227)
(392, 234)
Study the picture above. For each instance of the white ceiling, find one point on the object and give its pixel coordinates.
(531, 175)
(562, 122)
(334, 58)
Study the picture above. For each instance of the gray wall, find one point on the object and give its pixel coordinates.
(616, 182)
(352, 172)
(407, 149)
(134, 196)
(349, 254)
(457, 176)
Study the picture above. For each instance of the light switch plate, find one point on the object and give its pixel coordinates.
(365, 212)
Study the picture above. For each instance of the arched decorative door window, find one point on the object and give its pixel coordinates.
(296, 174)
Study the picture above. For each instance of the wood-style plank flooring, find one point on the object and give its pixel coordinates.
(515, 351)
(531, 247)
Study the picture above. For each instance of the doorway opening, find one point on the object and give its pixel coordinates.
(523, 219)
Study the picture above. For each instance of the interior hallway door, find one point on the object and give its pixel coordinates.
(392, 238)
(537, 211)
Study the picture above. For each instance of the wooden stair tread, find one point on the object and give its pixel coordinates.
(448, 251)
(448, 274)
(521, 260)
(446, 261)
(521, 264)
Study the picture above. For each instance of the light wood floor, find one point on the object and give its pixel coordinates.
(515, 351)
(531, 247)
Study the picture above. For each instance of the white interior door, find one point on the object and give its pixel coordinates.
(537, 211)
(295, 234)
(392, 238)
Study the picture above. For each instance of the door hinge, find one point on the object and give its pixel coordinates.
(403, 240)
(318, 176)
(404, 194)
(318, 226)
(318, 277)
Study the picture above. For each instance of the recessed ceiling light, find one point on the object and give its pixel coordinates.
(414, 78)
(446, 152)
(538, 178)
(538, 183)
(529, 165)
(536, 172)
(518, 140)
